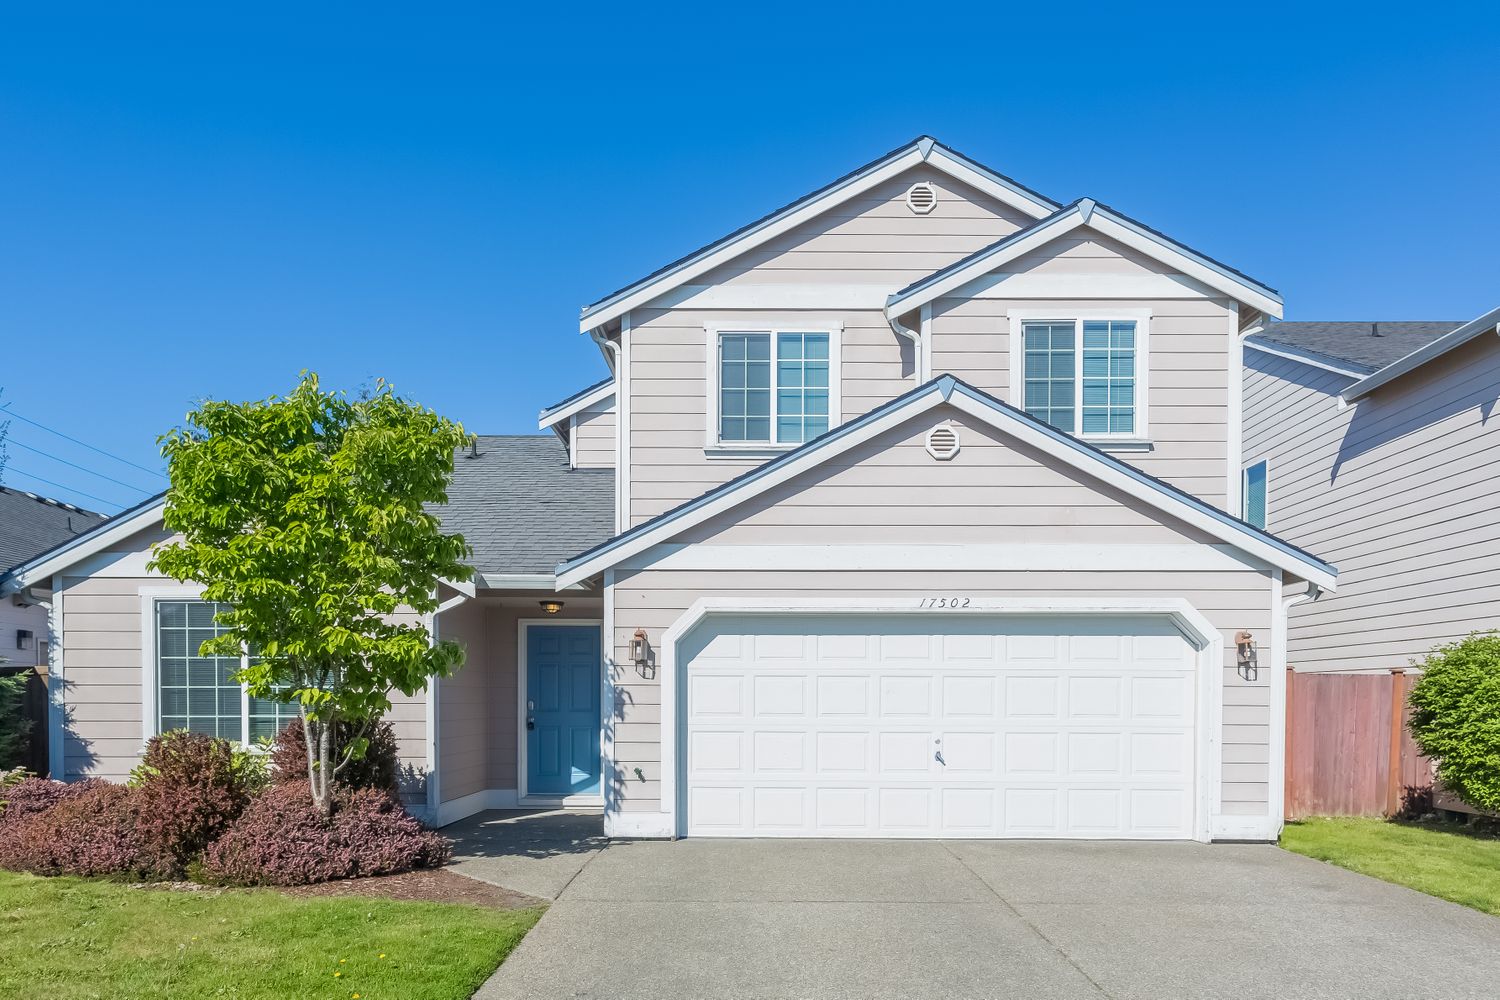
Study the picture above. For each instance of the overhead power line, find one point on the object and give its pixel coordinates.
(32, 475)
(6, 411)
(75, 465)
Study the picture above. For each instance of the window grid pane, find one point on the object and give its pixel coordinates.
(1109, 377)
(1049, 373)
(801, 386)
(745, 387)
(194, 692)
(1255, 495)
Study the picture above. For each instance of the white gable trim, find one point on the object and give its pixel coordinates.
(117, 529)
(1087, 213)
(947, 389)
(923, 151)
(555, 415)
(1302, 357)
(1489, 322)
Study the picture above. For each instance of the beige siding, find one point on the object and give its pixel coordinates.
(992, 493)
(1188, 363)
(876, 243)
(101, 654)
(669, 395)
(1397, 491)
(876, 239)
(873, 241)
(594, 438)
(463, 705)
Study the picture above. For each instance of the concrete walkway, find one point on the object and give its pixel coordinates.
(927, 919)
(535, 851)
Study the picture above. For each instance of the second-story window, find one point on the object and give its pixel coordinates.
(775, 386)
(1083, 376)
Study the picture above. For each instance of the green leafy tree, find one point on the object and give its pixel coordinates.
(305, 514)
(1456, 717)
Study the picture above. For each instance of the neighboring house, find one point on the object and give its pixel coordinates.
(30, 524)
(1377, 446)
(908, 510)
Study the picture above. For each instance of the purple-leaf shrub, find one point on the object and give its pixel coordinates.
(33, 795)
(384, 837)
(91, 830)
(282, 839)
(189, 788)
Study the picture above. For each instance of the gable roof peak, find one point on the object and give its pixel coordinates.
(922, 150)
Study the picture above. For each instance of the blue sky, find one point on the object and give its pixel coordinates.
(202, 201)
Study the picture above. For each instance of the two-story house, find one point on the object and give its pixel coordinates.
(908, 510)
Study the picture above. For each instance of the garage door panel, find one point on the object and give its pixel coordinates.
(1083, 731)
(905, 697)
(1032, 697)
(780, 695)
(842, 696)
(843, 753)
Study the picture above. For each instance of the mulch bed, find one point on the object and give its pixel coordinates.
(437, 885)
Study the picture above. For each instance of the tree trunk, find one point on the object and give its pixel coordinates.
(318, 736)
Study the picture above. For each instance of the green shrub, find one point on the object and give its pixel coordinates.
(15, 728)
(1456, 717)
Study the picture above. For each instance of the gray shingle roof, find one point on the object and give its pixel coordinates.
(521, 508)
(30, 524)
(1370, 346)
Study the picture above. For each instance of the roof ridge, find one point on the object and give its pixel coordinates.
(52, 501)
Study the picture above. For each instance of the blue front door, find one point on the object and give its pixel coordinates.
(562, 709)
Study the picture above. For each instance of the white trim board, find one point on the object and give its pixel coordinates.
(1006, 419)
(1208, 640)
(573, 407)
(1018, 557)
(957, 278)
(116, 529)
(522, 672)
(1489, 322)
(1301, 357)
(923, 150)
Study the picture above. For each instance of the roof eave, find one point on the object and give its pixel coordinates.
(1085, 212)
(47, 564)
(1108, 469)
(1475, 328)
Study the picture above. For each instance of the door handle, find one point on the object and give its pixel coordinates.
(530, 723)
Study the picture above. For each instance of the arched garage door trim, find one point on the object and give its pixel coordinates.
(1199, 632)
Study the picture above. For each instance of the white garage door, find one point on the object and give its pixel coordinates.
(852, 726)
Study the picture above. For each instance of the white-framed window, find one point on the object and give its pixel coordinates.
(186, 690)
(1254, 488)
(773, 386)
(1082, 372)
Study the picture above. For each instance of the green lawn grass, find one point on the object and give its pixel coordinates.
(1442, 860)
(78, 939)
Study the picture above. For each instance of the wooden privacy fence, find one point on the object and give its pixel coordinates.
(1348, 751)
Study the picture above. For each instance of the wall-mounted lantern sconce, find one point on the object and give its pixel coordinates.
(24, 638)
(551, 607)
(1244, 655)
(640, 649)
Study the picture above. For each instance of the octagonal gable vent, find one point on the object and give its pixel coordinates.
(921, 198)
(942, 442)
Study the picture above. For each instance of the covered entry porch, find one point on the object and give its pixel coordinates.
(519, 723)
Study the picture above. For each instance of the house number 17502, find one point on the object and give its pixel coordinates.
(944, 602)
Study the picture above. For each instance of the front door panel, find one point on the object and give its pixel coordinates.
(562, 710)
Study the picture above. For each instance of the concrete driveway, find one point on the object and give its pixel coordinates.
(925, 919)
